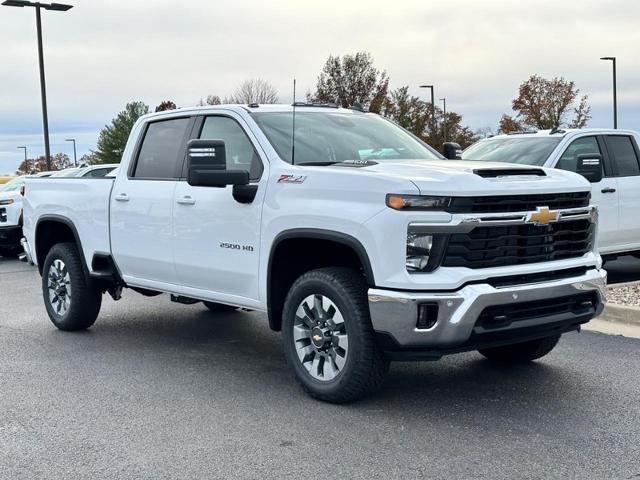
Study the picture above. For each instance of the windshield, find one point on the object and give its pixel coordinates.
(12, 185)
(527, 151)
(333, 137)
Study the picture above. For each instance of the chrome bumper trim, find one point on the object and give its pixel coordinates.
(395, 312)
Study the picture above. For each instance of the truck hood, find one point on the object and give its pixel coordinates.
(465, 178)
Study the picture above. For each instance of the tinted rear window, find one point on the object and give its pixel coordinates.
(158, 157)
(624, 155)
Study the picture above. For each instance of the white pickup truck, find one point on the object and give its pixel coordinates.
(360, 241)
(617, 194)
(11, 217)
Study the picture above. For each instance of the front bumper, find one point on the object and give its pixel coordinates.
(10, 236)
(394, 313)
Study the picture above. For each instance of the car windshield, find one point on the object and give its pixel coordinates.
(12, 185)
(524, 150)
(333, 137)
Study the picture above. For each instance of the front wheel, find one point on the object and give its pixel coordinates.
(522, 352)
(72, 304)
(328, 338)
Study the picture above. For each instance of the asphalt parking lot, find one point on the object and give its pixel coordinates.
(160, 390)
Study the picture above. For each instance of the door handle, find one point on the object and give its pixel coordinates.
(122, 197)
(608, 190)
(187, 200)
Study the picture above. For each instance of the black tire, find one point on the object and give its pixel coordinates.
(84, 301)
(219, 307)
(521, 352)
(365, 366)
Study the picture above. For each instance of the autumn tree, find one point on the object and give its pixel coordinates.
(351, 79)
(254, 90)
(59, 161)
(113, 138)
(166, 105)
(508, 124)
(546, 104)
(425, 121)
(89, 158)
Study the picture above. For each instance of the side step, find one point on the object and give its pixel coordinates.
(184, 300)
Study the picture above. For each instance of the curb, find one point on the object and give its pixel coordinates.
(624, 315)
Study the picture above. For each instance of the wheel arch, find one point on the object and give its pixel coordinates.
(348, 249)
(52, 229)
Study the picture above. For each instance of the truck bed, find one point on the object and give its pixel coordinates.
(84, 201)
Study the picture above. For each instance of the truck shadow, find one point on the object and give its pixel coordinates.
(241, 347)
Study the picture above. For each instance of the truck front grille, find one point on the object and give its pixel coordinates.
(518, 203)
(500, 246)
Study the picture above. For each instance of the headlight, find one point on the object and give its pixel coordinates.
(417, 202)
(8, 201)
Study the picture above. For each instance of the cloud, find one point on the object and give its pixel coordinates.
(100, 55)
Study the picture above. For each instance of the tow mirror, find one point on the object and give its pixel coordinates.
(452, 151)
(207, 165)
(589, 165)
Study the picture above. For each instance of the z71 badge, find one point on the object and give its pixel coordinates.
(291, 178)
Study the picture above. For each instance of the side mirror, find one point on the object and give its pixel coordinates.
(207, 165)
(589, 165)
(452, 151)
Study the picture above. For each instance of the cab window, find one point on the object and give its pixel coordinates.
(624, 155)
(569, 159)
(159, 154)
(240, 152)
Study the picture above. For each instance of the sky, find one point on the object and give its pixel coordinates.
(102, 54)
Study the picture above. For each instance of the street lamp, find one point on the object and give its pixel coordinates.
(75, 157)
(433, 106)
(59, 7)
(26, 164)
(615, 95)
(444, 115)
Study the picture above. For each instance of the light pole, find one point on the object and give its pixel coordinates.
(60, 7)
(615, 94)
(75, 156)
(444, 116)
(433, 106)
(26, 164)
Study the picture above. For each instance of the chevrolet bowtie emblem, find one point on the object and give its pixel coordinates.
(317, 338)
(543, 216)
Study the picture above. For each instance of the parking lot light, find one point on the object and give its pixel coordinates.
(60, 7)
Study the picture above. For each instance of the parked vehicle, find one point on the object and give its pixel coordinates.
(44, 174)
(617, 194)
(360, 242)
(11, 217)
(97, 171)
(67, 172)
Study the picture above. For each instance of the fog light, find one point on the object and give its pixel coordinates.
(427, 315)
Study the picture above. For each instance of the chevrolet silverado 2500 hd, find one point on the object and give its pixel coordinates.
(360, 241)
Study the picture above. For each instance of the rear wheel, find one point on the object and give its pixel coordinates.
(328, 338)
(521, 352)
(219, 307)
(72, 304)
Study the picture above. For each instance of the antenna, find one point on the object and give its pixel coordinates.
(293, 127)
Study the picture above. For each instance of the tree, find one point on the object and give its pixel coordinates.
(254, 90)
(351, 79)
(166, 105)
(545, 104)
(89, 158)
(421, 119)
(59, 161)
(210, 100)
(113, 138)
(508, 124)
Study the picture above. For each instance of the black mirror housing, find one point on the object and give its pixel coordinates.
(207, 165)
(452, 150)
(589, 165)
